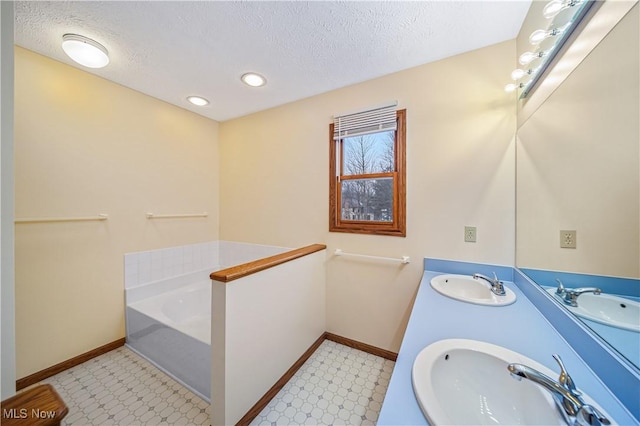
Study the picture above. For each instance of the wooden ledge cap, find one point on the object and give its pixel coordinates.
(239, 271)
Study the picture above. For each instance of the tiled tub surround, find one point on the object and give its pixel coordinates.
(168, 313)
(519, 327)
(150, 267)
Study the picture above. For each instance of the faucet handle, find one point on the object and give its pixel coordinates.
(565, 379)
(594, 290)
(560, 289)
(589, 415)
(495, 277)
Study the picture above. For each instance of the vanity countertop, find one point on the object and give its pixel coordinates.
(519, 327)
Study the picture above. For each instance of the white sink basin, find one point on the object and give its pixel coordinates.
(467, 289)
(606, 309)
(466, 382)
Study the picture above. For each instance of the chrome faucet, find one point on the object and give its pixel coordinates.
(568, 399)
(496, 285)
(570, 296)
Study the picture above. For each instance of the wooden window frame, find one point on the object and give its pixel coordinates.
(396, 228)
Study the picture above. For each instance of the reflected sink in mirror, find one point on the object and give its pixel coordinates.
(467, 289)
(466, 382)
(605, 309)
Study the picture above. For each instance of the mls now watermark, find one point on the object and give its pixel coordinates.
(23, 413)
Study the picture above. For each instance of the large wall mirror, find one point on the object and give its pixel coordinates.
(578, 186)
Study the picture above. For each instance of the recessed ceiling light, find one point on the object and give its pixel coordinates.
(254, 80)
(85, 51)
(197, 100)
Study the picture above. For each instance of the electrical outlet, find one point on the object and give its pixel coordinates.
(469, 234)
(568, 239)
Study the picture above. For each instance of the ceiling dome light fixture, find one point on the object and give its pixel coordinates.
(254, 80)
(86, 52)
(197, 100)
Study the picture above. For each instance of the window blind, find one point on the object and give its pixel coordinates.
(365, 122)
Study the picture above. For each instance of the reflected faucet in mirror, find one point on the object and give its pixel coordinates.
(570, 296)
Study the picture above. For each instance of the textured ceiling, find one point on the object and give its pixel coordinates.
(173, 49)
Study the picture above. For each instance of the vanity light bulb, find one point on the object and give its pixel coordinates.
(537, 36)
(528, 57)
(513, 86)
(553, 8)
(518, 74)
(556, 6)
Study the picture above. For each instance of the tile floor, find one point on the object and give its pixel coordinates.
(338, 385)
(121, 388)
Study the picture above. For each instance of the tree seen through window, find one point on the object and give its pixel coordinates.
(369, 199)
(367, 191)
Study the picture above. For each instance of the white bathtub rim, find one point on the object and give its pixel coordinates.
(155, 288)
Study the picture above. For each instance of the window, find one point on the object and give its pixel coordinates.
(367, 173)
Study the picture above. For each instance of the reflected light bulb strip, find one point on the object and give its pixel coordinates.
(560, 34)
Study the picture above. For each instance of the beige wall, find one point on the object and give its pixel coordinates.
(579, 164)
(86, 146)
(460, 161)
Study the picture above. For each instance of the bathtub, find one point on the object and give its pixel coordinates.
(187, 309)
(168, 319)
(173, 331)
